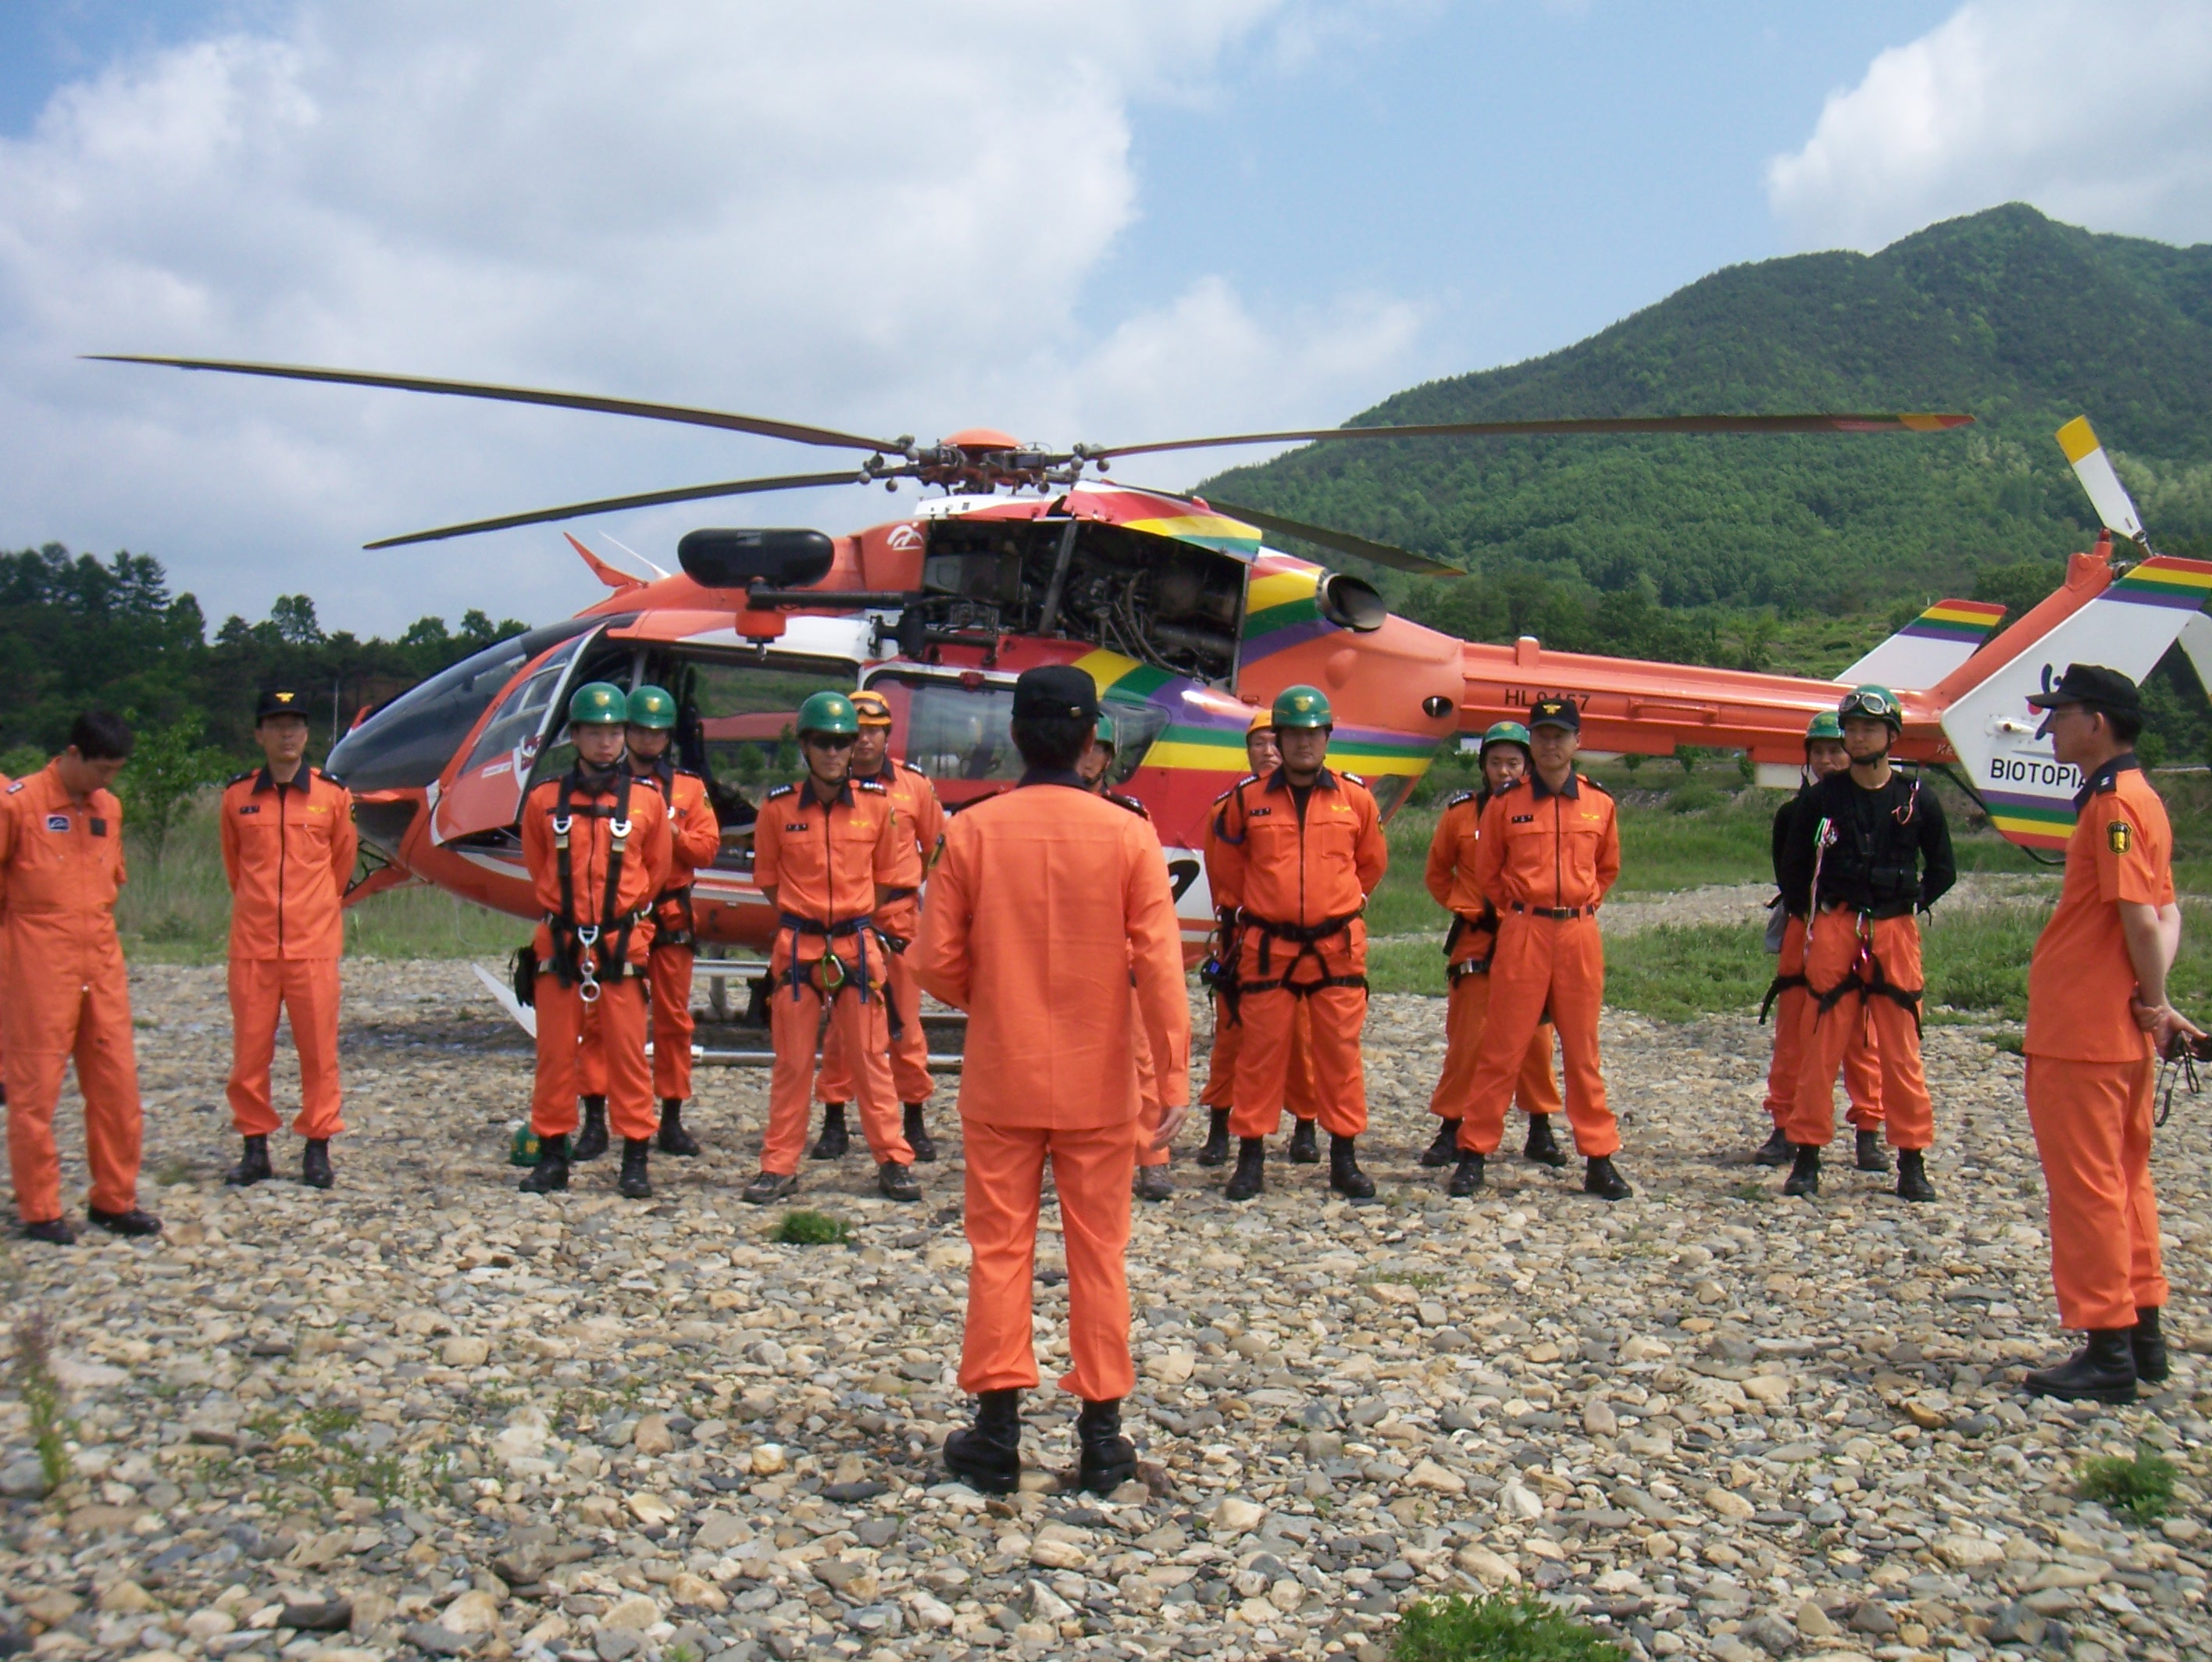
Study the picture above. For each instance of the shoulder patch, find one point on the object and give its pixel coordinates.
(1129, 803)
(240, 779)
(1457, 797)
(2119, 836)
(1594, 785)
(17, 785)
(909, 767)
(1346, 772)
(780, 790)
(876, 786)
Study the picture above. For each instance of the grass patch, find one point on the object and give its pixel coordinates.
(1420, 1279)
(2142, 1487)
(1757, 1193)
(42, 1395)
(1496, 1628)
(811, 1228)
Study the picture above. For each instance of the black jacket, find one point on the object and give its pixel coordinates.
(1888, 852)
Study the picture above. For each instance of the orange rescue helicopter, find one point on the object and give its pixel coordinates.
(1185, 619)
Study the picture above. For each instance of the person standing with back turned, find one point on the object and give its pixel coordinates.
(1045, 903)
(2096, 1019)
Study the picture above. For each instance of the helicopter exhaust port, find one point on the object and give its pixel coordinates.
(1350, 602)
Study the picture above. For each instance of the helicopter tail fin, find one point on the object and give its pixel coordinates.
(1930, 647)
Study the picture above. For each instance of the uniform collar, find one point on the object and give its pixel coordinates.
(265, 780)
(1067, 776)
(810, 789)
(661, 768)
(1280, 781)
(1572, 790)
(888, 774)
(2105, 778)
(579, 782)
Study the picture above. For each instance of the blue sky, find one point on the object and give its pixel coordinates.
(1186, 216)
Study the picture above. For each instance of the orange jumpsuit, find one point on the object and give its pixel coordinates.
(898, 920)
(69, 994)
(616, 957)
(1045, 902)
(288, 851)
(1467, 951)
(1794, 1017)
(695, 838)
(4, 783)
(1228, 1031)
(1303, 873)
(1545, 859)
(2091, 1071)
(826, 862)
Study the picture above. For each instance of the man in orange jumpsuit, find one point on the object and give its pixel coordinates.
(1867, 849)
(597, 846)
(828, 853)
(1302, 850)
(2097, 1018)
(1793, 1015)
(69, 996)
(899, 921)
(1468, 946)
(1045, 902)
(287, 849)
(695, 838)
(1261, 757)
(1549, 851)
(4, 783)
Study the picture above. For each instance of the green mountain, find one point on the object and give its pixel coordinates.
(2011, 316)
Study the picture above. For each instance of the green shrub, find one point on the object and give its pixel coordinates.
(1693, 797)
(2143, 1488)
(811, 1228)
(1498, 1629)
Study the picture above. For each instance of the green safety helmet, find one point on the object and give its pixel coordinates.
(1303, 707)
(1504, 732)
(1825, 725)
(1874, 703)
(599, 704)
(1104, 733)
(828, 712)
(652, 707)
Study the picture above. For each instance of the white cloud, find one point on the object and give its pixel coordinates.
(880, 218)
(2098, 112)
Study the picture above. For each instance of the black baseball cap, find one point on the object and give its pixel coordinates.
(1055, 689)
(2092, 684)
(1555, 712)
(281, 701)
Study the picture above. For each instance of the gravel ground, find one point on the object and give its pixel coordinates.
(423, 1413)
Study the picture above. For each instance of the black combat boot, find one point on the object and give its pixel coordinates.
(315, 1163)
(1444, 1150)
(918, 1137)
(592, 1141)
(2103, 1370)
(674, 1139)
(1912, 1182)
(768, 1188)
(135, 1221)
(1467, 1177)
(635, 1182)
(1109, 1459)
(551, 1174)
(1804, 1171)
(1216, 1151)
(896, 1182)
(2149, 1343)
(1303, 1149)
(1541, 1146)
(1153, 1183)
(1344, 1173)
(54, 1231)
(1775, 1151)
(252, 1166)
(1250, 1176)
(1601, 1179)
(1871, 1157)
(988, 1456)
(833, 1141)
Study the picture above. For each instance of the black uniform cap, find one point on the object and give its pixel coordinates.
(1055, 689)
(1555, 712)
(2092, 684)
(279, 701)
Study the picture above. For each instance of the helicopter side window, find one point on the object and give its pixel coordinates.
(522, 714)
(957, 733)
(1135, 727)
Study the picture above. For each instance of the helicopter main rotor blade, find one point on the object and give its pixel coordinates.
(795, 431)
(1343, 541)
(1570, 425)
(611, 504)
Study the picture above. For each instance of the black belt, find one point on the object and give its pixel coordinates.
(1556, 913)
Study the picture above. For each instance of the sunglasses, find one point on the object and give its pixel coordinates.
(829, 741)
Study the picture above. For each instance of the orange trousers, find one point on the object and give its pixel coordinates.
(1091, 1169)
(794, 1021)
(910, 1076)
(306, 989)
(2093, 1133)
(1221, 1090)
(1841, 950)
(1541, 962)
(1466, 1014)
(1149, 1107)
(48, 1027)
(1333, 1016)
(1793, 1024)
(670, 968)
(616, 1033)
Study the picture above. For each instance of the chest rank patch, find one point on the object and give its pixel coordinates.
(58, 821)
(2119, 836)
